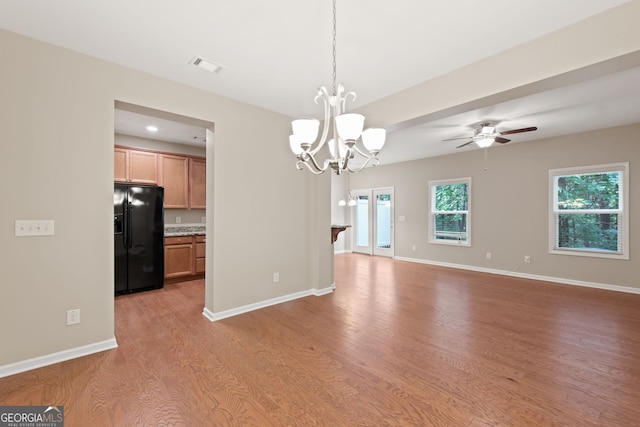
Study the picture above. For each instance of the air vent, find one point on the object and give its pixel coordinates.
(206, 65)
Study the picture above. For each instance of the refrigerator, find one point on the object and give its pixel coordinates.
(138, 227)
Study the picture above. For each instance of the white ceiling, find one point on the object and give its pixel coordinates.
(276, 54)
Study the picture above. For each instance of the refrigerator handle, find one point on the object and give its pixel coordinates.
(129, 227)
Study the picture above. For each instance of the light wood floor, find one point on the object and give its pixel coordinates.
(397, 344)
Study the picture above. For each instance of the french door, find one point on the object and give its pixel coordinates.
(372, 218)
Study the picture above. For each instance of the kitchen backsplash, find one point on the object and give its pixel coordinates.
(184, 216)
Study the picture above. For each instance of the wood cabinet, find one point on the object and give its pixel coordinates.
(184, 178)
(175, 180)
(200, 253)
(179, 257)
(197, 183)
(140, 167)
(184, 257)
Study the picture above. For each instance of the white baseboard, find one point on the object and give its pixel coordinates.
(605, 286)
(61, 356)
(262, 304)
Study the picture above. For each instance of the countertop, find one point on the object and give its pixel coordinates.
(172, 230)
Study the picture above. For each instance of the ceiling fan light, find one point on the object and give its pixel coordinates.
(488, 130)
(349, 126)
(373, 139)
(352, 202)
(341, 202)
(305, 130)
(485, 142)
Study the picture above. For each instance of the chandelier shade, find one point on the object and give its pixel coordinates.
(342, 148)
(373, 139)
(349, 126)
(305, 130)
(295, 145)
(346, 129)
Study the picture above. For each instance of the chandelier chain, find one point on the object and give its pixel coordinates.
(334, 47)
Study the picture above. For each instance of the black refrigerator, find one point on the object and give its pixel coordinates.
(138, 226)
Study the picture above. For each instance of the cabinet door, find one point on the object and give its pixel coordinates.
(143, 167)
(197, 183)
(200, 254)
(120, 165)
(178, 260)
(175, 180)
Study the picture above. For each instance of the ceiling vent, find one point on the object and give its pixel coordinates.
(206, 65)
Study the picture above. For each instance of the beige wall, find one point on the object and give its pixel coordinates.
(56, 162)
(510, 205)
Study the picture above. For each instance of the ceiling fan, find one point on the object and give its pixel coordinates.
(486, 134)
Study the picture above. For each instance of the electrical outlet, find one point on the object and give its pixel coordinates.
(73, 317)
(203, 219)
(178, 219)
(276, 277)
(488, 255)
(413, 248)
(527, 259)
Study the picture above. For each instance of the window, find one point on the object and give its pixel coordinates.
(450, 218)
(589, 215)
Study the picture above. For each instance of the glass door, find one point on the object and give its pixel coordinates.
(383, 220)
(362, 219)
(373, 222)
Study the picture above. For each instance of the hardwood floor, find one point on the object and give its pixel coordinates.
(397, 343)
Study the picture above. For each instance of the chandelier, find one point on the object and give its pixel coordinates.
(347, 129)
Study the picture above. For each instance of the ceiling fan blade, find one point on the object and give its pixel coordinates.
(465, 144)
(454, 139)
(501, 140)
(509, 132)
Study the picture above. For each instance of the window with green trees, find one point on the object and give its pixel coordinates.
(588, 210)
(450, 213)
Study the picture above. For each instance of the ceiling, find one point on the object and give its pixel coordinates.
(276, 54)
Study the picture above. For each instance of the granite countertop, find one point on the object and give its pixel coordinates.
(172, 230)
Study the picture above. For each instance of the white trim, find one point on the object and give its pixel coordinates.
(432, 212)
(61, 356)
(622, 211)
(262, 304)
(560, 280)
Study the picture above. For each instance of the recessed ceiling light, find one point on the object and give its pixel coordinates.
(152, 128)
(206, 64)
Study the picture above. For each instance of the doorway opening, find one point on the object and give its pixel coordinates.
(168, 150)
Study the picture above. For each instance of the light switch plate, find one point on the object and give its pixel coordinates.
(34, 228)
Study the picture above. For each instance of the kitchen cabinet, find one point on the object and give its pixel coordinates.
(200, 253)
(183, 177)
(134, 166)
(197, 183)
(175, 180)
(179, 257)
(184, 257)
